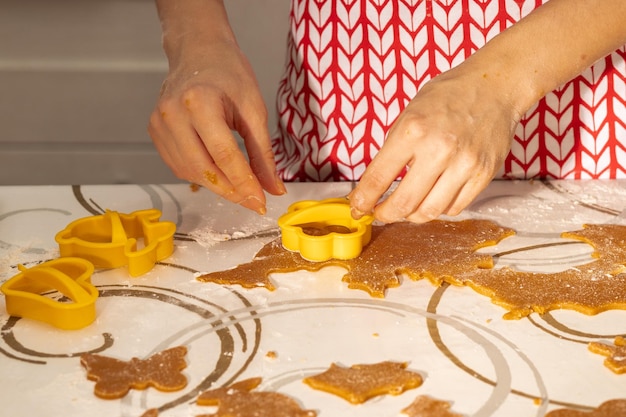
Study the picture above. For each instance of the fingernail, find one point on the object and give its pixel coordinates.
(282, 188)
(254, 203)
(281, 185)
(356, 213)
(355, 200)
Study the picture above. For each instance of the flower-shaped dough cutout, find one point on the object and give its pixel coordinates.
(239, 400)
(321, 230)
(435, 250)
(425, 406)
(611, 408)
(114, 378)
(113, 239)
(359, 383)
(615, 355)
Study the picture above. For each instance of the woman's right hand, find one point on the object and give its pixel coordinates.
(209, 92)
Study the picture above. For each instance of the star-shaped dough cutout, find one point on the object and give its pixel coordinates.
(359, 383)
(611, 408)
(239, 400)
(114, 378)
(435, 250)
(615, 355)
(425, 406)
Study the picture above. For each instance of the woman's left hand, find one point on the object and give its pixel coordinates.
(452, 139)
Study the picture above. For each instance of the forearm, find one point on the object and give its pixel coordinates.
(550, 46)
(191, 24)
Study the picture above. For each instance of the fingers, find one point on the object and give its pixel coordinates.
(210, 92)
(198, 146)
(263, 164)
(229, 167)
(255, 134)
(382, 171)
(183, 151)
(428, 186)
(452, 138)
(468, 192)
(443, 177)
(451, 194)
(408, 146)
(421, 199)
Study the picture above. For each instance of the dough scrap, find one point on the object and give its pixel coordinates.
(114, 378)
(445, 251)
(611, 408)
(238, 400)
(359, 383)
(425, 406)
(591, 288)
(615, 355)
(435, 250)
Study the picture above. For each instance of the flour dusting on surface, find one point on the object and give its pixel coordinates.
(208, 234)
(27, 255)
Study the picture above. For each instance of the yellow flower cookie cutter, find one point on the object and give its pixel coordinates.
(321, 230)
(25, 293)
(111, 240)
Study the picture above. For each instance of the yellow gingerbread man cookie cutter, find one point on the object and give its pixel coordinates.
(111, 240)
(28, 294)
(325, 229)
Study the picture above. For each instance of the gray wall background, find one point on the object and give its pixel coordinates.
(79, 78)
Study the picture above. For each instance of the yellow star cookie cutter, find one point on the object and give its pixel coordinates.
(113, 239)
(325, 229)
(25, 293)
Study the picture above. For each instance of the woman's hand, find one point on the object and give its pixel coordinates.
(455, 134)
(452, 139)
(210, 91)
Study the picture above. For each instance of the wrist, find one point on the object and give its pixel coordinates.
(190, 27)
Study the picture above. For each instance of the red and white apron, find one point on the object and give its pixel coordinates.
(353, 65)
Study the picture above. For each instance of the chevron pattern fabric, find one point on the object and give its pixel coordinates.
(353, 65)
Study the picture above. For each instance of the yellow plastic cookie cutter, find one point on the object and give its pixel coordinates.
(341, 236)
(111, 240)
(25, 293)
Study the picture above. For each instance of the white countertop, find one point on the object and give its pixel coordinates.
(454, 337)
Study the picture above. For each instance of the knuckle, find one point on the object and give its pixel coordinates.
(373, 181)
(224, 154)
(194, 97)
(403, 204)
(383, 216)
(477, 163)
(449, 143)
(259, 159)
(394, 209)
(441, 143)
(261, 112)
(166, 103)
(411, 128)
(190, 99)
(242, 182)
(153, 122)
(424, 214)
(455, 209)
(429, 211)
